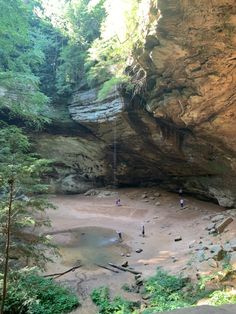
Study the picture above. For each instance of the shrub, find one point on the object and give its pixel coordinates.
(30, 293)
(165, 292)
(101, 298)
(220, 297)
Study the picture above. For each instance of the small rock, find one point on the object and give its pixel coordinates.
(146, 296)
(125, 264)
(146, 200)
(217, 252)
(144, 196)
(201, 256)
(217, 218)
(227, 247)
(212, 231)
(157, 203)
(233, 244)
(212, 263)
(137, 276)
(191, 244)
(156, 217)
(157, 194)
(178, 238)
(210, 226)
(139, 282)
(138, 250)
(127, 255)
(122, 254)
(199, 247)
(152, 198)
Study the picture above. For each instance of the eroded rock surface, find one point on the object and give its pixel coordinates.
(180, 131)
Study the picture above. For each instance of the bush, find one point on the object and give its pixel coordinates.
(32, 294)
(101, 298)
(165, 292)
(220, 297)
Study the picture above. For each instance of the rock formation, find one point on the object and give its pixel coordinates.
(180, 130)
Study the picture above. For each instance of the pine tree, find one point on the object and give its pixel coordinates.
(21, 206)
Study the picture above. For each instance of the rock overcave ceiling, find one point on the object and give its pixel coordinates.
(181, 130)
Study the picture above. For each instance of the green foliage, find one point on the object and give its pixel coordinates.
(13, 33)
(21, 54)
(81, 27)
(101, 298)
(50, 41)
(32, 294)
(165, 293)
(112, 52)
(25, 170)
(220, 297)
(108, 86)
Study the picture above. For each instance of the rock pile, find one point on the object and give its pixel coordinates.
(219, 223)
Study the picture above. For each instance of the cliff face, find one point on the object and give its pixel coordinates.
(182, 131)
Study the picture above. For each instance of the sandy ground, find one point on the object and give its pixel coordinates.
(162, 224)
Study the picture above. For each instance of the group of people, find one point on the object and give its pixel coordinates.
(118, 203)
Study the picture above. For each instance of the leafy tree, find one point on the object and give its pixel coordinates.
(20, 56)
(112, 53)
(21, 207)
(51, 41)
(82, 27)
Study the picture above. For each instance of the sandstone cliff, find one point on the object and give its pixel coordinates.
(180, 130)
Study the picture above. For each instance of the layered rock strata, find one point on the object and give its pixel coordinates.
(180, 130)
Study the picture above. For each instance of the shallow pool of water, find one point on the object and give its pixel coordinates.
(89, 246)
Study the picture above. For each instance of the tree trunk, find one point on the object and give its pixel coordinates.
(7, 247)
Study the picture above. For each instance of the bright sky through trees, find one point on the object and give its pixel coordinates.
(54, 10)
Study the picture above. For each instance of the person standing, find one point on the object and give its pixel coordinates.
(181, 203)
(118, 203)
(180, 192)
(143, 231)
(119, 235)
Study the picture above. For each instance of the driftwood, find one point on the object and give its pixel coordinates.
(126, 269)
(57, 275)
(108, 268)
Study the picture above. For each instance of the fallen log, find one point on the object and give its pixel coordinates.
(125, 269)
(108, 268)
(57, 275)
